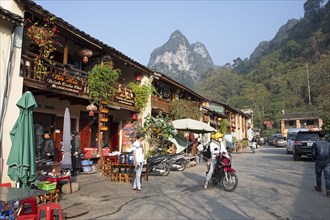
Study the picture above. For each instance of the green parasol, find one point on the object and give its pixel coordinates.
(21, 159)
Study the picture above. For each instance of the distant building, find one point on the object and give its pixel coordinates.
(310, 120)
(269, 124)
(249, 112)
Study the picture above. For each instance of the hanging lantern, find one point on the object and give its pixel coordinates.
(134, 116)
(91, 107)
(138, 76)
(85, 54)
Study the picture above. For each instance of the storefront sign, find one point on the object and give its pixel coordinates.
(124, 96)
(63, 82)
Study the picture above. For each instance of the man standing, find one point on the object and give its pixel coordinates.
(49, 147)
(321, 154)
(75, 153)
(137, 149)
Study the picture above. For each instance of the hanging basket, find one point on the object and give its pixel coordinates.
(104, 119)
(104, 110)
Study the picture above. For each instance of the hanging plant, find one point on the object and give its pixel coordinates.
(182, 108)
(141, 93)
(44, 37)
(102, 81)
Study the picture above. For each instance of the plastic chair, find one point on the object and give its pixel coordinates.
(49, 210)
(29, 206)
(27, 217)
(8, 185)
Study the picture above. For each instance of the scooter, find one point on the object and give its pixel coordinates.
(224, 175)
(176, 162)
(253, 146)
(158, 165)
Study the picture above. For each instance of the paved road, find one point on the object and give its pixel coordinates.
(271, 186)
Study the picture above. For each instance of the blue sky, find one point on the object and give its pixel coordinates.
(228, 29)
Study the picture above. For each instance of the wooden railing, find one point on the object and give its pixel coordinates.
(160, 104)
(27, 72)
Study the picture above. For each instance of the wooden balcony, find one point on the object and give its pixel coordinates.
(160, 104)
(61, 79)
(67, 82)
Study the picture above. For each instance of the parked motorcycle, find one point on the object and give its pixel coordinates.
(158, 165)
(176, 162)
(225, 175)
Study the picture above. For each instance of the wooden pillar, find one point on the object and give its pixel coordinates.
(65, 52)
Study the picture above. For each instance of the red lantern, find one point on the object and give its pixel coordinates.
(134, 116)
(138, 76)
(91, 114)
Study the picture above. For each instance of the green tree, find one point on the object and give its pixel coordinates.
(102, 81)
(158, 130)
(182, 108)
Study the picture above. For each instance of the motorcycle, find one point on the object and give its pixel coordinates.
(253, 146)
(177, 162)
(158, 165)
(225, 175)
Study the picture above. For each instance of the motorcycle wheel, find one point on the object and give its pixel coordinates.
(167, 169)
(214, 180)
(183, 166)
(232, 182)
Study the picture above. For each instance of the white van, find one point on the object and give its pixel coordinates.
(290, 138)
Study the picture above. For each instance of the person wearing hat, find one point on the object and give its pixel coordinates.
(137, 149)
(215, 147)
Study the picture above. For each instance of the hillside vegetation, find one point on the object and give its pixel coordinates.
(290, 72)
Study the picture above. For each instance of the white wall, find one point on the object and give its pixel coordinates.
(15, 88)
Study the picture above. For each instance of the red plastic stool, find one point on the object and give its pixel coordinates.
(27, 217)
(49, 210)
(30, 203)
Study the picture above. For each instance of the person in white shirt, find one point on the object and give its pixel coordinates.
(215, 147)
(137, 149)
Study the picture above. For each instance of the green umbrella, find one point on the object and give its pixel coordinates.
(21, 159)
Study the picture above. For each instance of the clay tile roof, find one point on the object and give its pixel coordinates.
(300, 115)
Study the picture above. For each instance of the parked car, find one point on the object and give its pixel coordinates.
(290, 138)
(280, 141)
(303, 143)
(272, 138)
